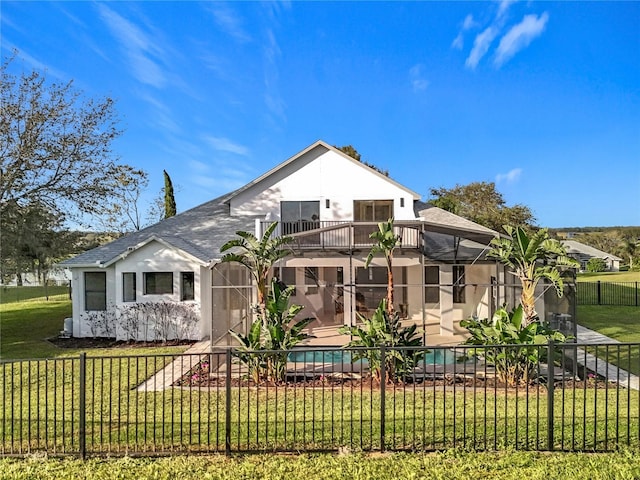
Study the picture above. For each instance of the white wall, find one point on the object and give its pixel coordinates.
(322, 175)
(153, 257)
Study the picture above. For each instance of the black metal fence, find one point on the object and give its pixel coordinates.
(608, 293)
(587, 401)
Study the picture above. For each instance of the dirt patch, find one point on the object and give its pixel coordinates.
(80, 343)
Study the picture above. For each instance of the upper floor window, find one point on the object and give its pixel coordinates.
(95, 291)
(372, 210)
(299, 216)
(158, 283)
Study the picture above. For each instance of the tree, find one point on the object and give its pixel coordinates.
(124, 212)
(353, 153)
(596, 264)
(386, 242)
(532, 258)
(259, 256)
(480, 202)
(169, 199)
(629, 247)
(55, 146)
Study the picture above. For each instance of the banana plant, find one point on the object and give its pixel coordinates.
(532, 258)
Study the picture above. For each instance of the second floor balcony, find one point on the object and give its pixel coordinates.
(343, 235)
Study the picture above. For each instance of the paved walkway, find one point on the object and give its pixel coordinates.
(604, 369)
(166, 377)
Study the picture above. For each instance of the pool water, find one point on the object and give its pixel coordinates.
(433, 356)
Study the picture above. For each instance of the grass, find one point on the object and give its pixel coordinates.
(452, 465)
(620, 323)
(609, 277)
(10, 294)
(25, 327)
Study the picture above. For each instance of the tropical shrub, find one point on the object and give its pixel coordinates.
(509, 344)
(385, 329)
(596, 265)
(272, 334)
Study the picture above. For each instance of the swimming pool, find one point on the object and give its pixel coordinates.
(433, 356)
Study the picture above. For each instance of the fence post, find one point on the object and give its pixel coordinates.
(550, 392)
(82, 405)
(636, 294)
(599, 293)
(383, 388)
(227, 414)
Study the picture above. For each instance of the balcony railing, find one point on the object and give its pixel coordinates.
(335, 234)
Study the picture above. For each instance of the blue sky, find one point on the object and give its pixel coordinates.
(541, 97)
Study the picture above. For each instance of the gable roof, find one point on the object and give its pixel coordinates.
(198, 232)
(313, 146)
(577, 248)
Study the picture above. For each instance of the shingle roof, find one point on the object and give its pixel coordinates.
(200, 232)
(574, 247)
(439, 220)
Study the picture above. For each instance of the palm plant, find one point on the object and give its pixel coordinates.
(264, 349)
(532, 257)
(385, 329)
(386, 242)
(259, 256)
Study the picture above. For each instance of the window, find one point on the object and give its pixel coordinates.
(458, 284)
(288, 277)
(95, 291)
(372, 210)
(432, 284)
(311, 280)
(299, 216)
(128, 287)
(187, 280)
(158, 283)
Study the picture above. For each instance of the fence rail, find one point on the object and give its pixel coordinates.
(588, 400)
(608, 293)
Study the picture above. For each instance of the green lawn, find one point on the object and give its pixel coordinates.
(620, 323)
(452, 465)
(41, 294)
(25, 327)
(609, 277)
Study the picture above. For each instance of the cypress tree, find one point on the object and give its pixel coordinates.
(169, 199)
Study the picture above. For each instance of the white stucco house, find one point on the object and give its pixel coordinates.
(170, 273)
(583, 253)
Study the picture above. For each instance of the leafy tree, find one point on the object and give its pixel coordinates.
(480, 202)
(259, 256)
(629, 247)
(386, 242)
(353, 153)
(169, 199)
(55, 145)
(596, 264)
(532, 258)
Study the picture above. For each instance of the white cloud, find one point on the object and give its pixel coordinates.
(458, 42)
(138, 47)
(469, 22)
(510, 177)
(225, 145)
(417, 78)
(229, 22)
(481, 46)
(503, 7)
(520, 36)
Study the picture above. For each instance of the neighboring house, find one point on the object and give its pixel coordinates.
(583, 253)
(329, 203)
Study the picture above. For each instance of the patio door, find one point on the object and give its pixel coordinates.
(300, 216)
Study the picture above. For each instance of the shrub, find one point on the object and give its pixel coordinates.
(385, 329)
(272, 334)
(514, 364)
(596, 265)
